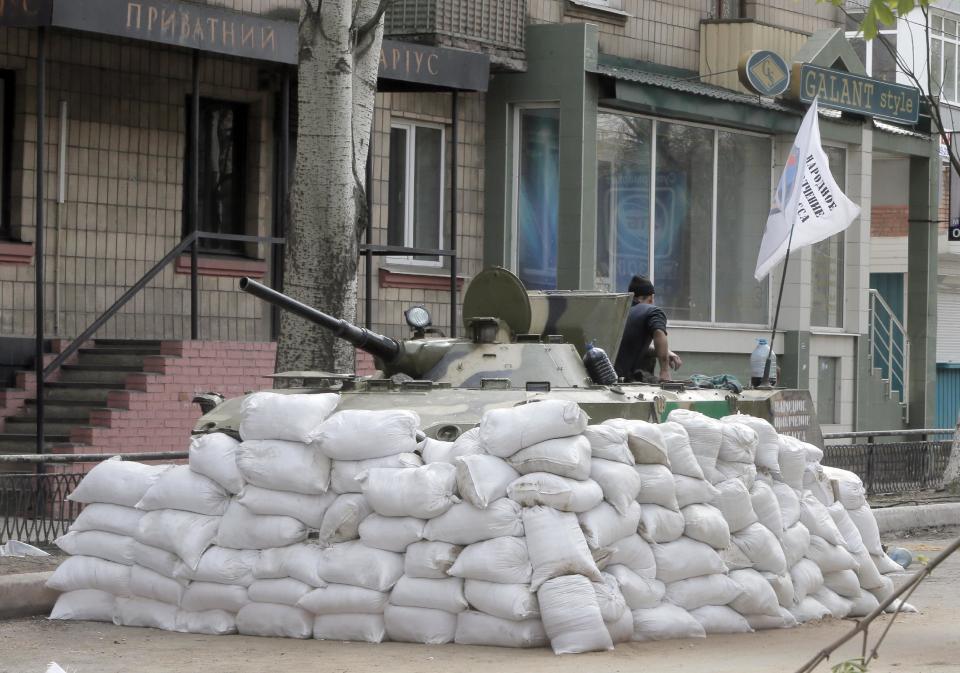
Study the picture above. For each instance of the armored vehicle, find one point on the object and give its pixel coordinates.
(521, 346)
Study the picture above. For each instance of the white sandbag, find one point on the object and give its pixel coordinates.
(638, 592)
(900, 605)
(809, 609)
(422, 492)
(214, 455)
(843, 582)
(477, 628)
(745, 472)
(604, 525)
(206, 622)
(202, 596)
(446, 595)
(551, 490)
(465, 524)
(785, 620)
(635, 553)
(795, 543)
(807, 579)
(850, 490)
(705, 523)
(571, 616)
(609, 443)
(117, 482)
(339, 599)
(556, 545)
(738, 443)
(815, 481)
(665, 622)
(514, 602)
(299, 561)
(505, 560)
(284, 466)
(782, 586)
(360, 434)
(158, 560)
(757, 596)
(392, 533)
(645, 441)
(789, 504)
(182, 488)
(222, 565)
(564, 456)
(183, 533)
(619, 482)
(92, 605)
(363, 628)
(145, 583)
(884, 591)
(685, 558)
(767, 507)
(735, 503)
(830, 557)
(503, 432)
(720, 619)
(481, 479)
(659, 524)
(734, 559)
(343, 474)
(816, 517)
(282, 591)
(467, 444)
(341, 522)
(695, 592)
(308, 509)
(242, 529)
(692, 491)
(109, 518)
(275, 621)
(863, 604)
(621, 631)
(867, 572)
(108, 546)
(355, 563)
(419, 625)
(768, 443)
(682, 459)
(792, 459)
(295, 418)
(852, 540)
(886, 565)
(761, 546)
(610, 599)
(430, 560)
(657, 486)
(865, 522)
(705, 435)
(145, 613)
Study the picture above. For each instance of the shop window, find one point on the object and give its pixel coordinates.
(6, 150)
(415, 202)
(222, 179)
(827, 280)
(828, 390)
(538, 194)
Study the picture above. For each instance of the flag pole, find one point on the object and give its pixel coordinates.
(765, 381)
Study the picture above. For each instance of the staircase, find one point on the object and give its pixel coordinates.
(889, 352)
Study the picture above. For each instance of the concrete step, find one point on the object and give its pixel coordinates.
(78, 391)
(128, 343)
(76, 410)
(115, 375)
(11, 442)
(51, 425)
(110, 357)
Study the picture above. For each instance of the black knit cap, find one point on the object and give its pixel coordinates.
(640, 286)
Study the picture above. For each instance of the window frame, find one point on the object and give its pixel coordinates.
(7, 99)
(410, 126)
(868, 49)
(842, 327)
(944, 39)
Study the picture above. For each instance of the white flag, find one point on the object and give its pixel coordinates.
(807, 199)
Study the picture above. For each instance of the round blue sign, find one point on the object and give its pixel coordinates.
(764, 72)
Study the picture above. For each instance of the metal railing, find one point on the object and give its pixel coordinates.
(889, 345)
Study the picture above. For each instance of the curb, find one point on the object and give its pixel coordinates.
(25, 595)
(907, 517)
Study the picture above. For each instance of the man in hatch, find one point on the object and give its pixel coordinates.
(644, 340)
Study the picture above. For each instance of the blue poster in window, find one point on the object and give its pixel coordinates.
(633, 223)
(671, 214)
(538, 198)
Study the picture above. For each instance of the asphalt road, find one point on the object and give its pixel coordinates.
(924, 643)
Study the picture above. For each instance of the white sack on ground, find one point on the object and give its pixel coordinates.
(201, 596)
(865, 522)
(635, 553)
(284, 466)
(355, 563)
(734, 559)
(159, 560)
(467, 444)
(695, 592)
(477, 628)
(807, 579)
(283, 591)
(852, 540)
(182, 488)
(343, 474)
(657, 486)
(738, 443)
(852, 494)
(735, 503)
(843, 582)
(767, 507)
(565, 456)
(359, 434)
(692, 491)
(465, 524)
(117, 482)
(745, 472)
(758, 596)
(682, 460)
(603, 525)
(214, 455)
(299, 561)
(219, 564)
(863, 604)
(886, 565)
(446, 595)
(782, 586)
(242, 529)
(705, 523)
(792, 459)
(502, 559)
(551, 490)
(421, 492)
(785, 620)
(109, 518)
(816, 482)
(391, 533)
(705, 435)
(277, 621)
(789, 504)
(514, 602)
(830, 557)
(341, 521)
(571, 617)
(206, 622)
(308, 509)
(610, 599)
(609, 443)
(90, 605)
(884, 591)
(816, 517)
(762, 547)
(659, 524)
(419, 625)
(645, 441)
(362, 628)
(183, 533)
(619, 482)
(146, 583)
(795, 543)
(556, 546)
(482, 479)
(867, 573)
(685, 558)
(145, 613)
(343, 599)
(665, 622)
(639, 592)
(295, 418)
(809, 610)
(430, 560)
(108, 546)
(720, 619)
(768, 442)
(503, 432)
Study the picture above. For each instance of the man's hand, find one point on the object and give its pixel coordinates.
(674, 360)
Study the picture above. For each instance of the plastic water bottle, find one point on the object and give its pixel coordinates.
(599, 366)
(901, 556)
(758, 358)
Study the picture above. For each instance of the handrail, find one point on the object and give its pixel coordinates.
(91, 457)
(889, 433)
(886, 334)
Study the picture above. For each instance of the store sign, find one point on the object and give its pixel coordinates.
(25, 13)
(451, 68)
(953, 231)
(764, 72)
(853, 93)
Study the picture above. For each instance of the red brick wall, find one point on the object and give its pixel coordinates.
(889, 220)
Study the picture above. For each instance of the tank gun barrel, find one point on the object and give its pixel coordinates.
(378, 345)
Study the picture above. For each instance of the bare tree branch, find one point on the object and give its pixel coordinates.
(365, 29)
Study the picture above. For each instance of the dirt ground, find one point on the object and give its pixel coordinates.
(924, 643)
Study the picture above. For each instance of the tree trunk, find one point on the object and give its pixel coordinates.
(336, 94)
(951, 476)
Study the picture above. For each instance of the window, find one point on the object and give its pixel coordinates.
(611, 4)
(827, 282)
(537, 196)
(828, 390)
(878, 60)
(6, 150)
(944, 45)
(415, 201)
(706, 219)
(222, 180)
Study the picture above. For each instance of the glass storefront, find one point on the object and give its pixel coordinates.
(827, 272)
(538, 195)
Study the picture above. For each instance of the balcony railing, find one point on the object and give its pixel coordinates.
(889, 346)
